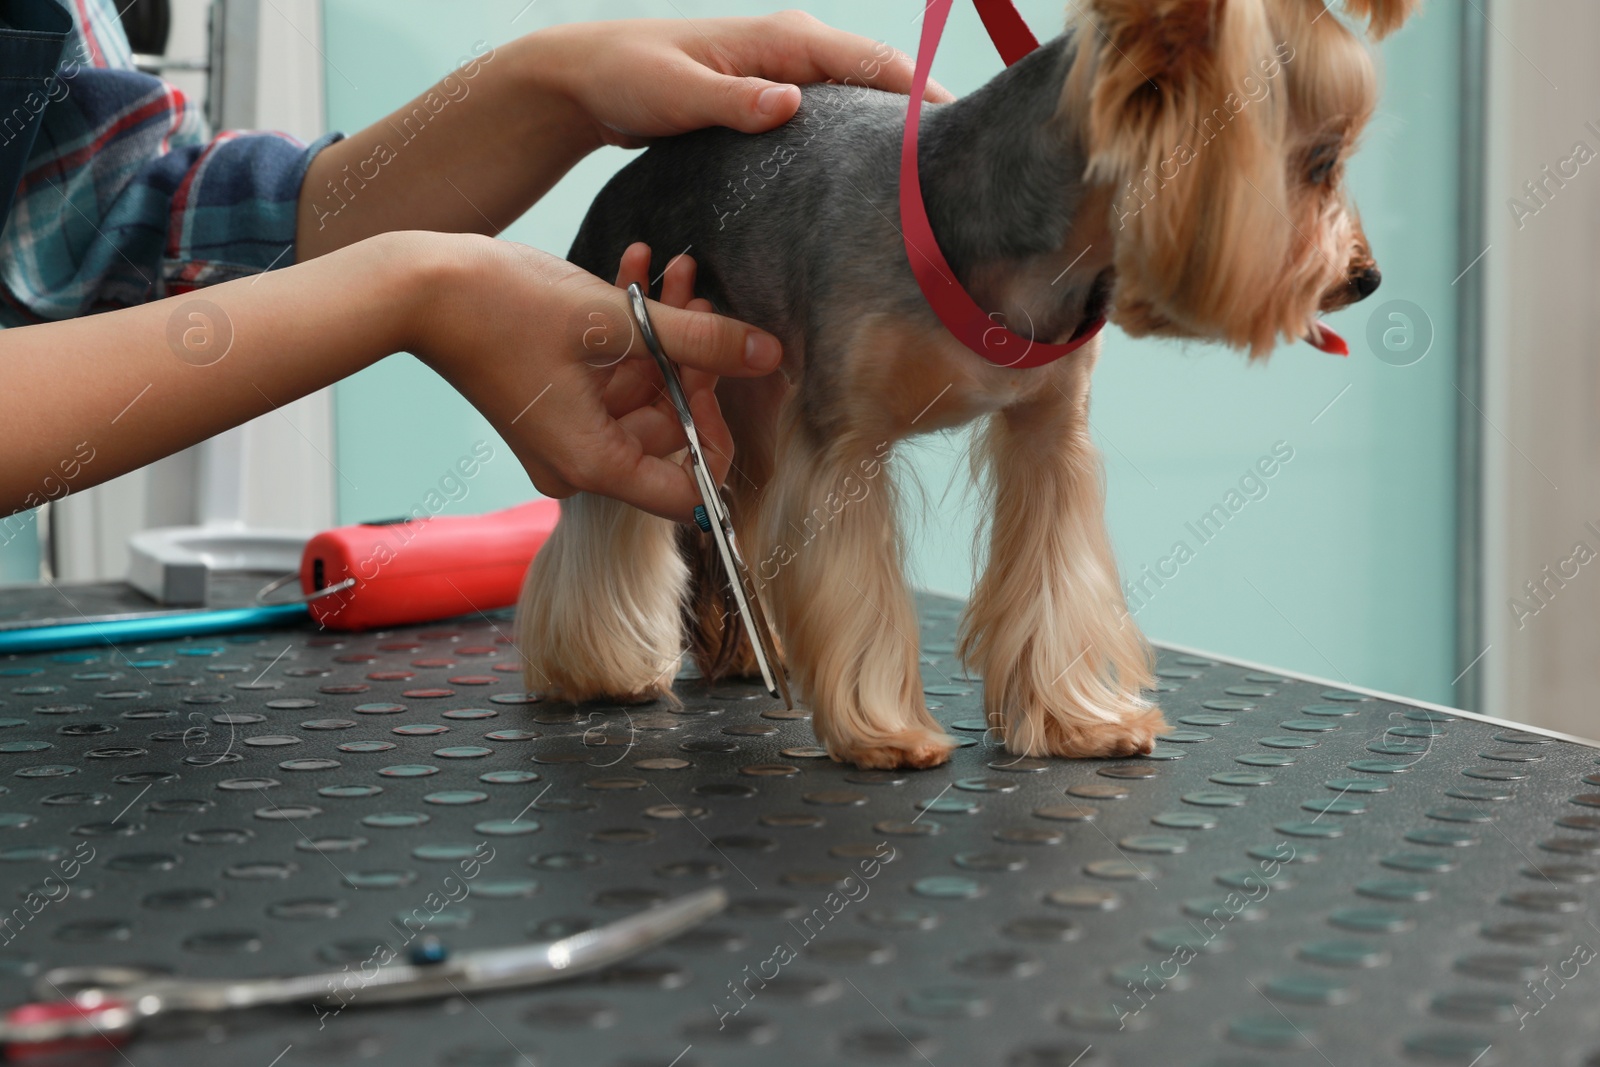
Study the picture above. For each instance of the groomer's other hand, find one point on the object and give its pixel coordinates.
(550, 355)
(645, 78)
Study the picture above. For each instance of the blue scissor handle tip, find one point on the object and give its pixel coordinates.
(702, 518)
(428, 951)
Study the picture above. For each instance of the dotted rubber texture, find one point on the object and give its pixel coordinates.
(1296, 876)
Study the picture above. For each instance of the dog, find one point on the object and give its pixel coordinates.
(1174, 165)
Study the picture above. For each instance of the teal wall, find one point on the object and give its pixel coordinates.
(19, 549)
(1342, 568)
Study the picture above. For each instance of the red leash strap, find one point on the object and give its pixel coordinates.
(972, 326)
(1011, 36)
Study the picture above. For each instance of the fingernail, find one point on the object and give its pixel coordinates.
(771, 99)
(762, 351)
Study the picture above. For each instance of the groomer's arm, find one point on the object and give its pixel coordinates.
(538, 346)
(475, 151)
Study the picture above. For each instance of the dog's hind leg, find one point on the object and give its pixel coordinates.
(1047, 626)
(830, 556)
(600, 614)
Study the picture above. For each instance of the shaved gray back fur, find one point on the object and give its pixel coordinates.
(784, 222)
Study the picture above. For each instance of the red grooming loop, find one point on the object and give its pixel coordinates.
(950, 301)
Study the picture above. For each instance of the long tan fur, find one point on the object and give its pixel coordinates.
(600, 612)
(1199, 113)
(1214, 133)
(1047, 626)
(843, 608)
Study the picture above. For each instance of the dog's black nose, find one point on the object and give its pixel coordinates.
(1366, 283)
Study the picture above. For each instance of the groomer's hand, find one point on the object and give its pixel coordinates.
(551, 356)
(645, 78)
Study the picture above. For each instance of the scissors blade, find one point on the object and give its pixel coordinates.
(551, 961)
(109, 1002)
(747, 600)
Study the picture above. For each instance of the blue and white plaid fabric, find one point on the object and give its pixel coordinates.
(126, 197)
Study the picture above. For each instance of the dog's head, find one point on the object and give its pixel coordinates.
(1221, 128)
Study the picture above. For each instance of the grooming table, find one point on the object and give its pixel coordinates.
(279, 802)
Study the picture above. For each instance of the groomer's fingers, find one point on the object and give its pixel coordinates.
(635, 383)
(614, 463)
(658, 432)
(677, 280)
(630, 384)
(716, 440)
(806, 49)
(634, 267)
(778, 53)
(755, 104)
(677, 289)
(695, 381)
(711, 342)
(704, 96)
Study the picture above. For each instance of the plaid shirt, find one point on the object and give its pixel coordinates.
(126, 197)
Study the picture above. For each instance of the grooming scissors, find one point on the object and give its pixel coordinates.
(109, 1003)
(712, 516)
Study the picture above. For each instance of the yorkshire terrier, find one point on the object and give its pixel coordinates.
(1174, 165)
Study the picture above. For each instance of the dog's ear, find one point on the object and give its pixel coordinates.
(1184, 116)
(1149, 59)
(1383, 16)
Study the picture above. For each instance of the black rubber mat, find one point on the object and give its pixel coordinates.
(1298, 876)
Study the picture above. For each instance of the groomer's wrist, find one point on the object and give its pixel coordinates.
(445, 300)
(547, 65)
(432, 283)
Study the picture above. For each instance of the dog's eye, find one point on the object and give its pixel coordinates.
(1322, 164)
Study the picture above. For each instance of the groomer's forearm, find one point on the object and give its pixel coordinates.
(470, 155)
(89, 399)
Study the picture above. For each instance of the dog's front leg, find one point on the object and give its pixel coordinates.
(830, 562)
(1048, 628)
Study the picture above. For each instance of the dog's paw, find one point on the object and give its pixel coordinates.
(648, 695)
(914, 748)
(569, 690)
(1133, 734)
